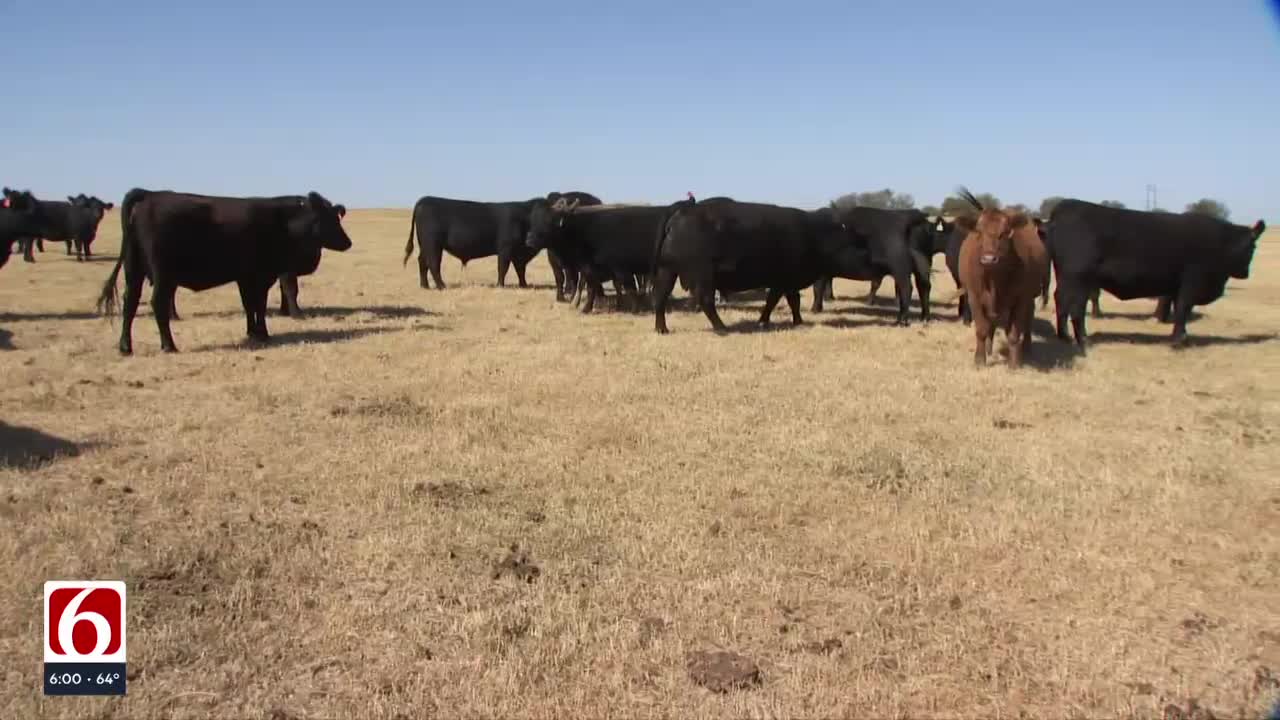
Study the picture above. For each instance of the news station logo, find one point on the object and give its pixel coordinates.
(84, 637)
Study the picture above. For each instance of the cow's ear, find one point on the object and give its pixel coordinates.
(341, 210)
(1258, 228)
(111, 206)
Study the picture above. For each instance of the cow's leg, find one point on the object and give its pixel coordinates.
(289, 296)
(424, 271)
(628, 294)
(69, 244)
(770, 302)
(964, 311)
(1017, 334)
(434, 259)
(983, 333)
(1181, 315)
(1164, 309)
(708, 291)
(1078, 303)
(162, 294)
(820, 287)
(920, 268)
(831, 289)
(520, 265)
(664, 281)
(133, 277)
(27, 244)
(88, 246)
(875, 290)
(595, 289)
(557, 271)
(1095, 299)
(260, 299)
(902, 283)
(504, 264)
(793, 300)
(40, 244)
(1061, 308)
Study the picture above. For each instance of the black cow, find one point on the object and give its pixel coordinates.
(470, 230)
(602, 243)
(74, 222)
(20, 216)
(732, 246)
(201, 242)
(288, 281)
(928, 244)
(566, 284)
(895, 239)
(1133, 254)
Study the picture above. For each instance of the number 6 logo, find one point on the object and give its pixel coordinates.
(84, 621)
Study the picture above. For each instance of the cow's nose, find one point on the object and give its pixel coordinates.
(988, 259)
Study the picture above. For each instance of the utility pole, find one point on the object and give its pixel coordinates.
(1152, 203)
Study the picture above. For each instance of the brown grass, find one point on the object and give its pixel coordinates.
(323, 527)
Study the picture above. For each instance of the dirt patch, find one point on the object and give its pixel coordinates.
(722, 671)
(1198, 624)
(448, 493)
(517, 564)
(1190, 710)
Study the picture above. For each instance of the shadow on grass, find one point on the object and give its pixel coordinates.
(329, 311)
(28, 448)
(38, 316)
(1193, 340)
(6, 340)
(318, 337)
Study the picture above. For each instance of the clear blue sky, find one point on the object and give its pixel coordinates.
(791, 102)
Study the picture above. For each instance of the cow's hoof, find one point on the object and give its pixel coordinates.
(1180, 343)
(169, 348)
(126, 350)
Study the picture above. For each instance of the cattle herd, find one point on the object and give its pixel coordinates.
(1001, 260)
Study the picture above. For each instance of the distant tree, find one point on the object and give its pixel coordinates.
(1210, 207)
(1018, 207)
(885, 199)
(1048, 204)
(1159, 210)
(955, 205)
(1112, 204)
(931, 210)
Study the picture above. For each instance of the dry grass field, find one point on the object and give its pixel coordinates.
(322, 527)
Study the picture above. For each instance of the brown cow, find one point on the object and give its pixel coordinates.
(1003, 262)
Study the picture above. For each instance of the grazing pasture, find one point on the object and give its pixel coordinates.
(478, 502)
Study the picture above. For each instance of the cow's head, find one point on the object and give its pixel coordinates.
(1240, 252)
(993, 230)
(320, 221)
(93, 204)
(939, 230)
(21, 201)
(546, 222)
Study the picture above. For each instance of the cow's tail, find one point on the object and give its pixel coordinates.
(671, 212)
(969, 198)
(413, 221)
(108, 299)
